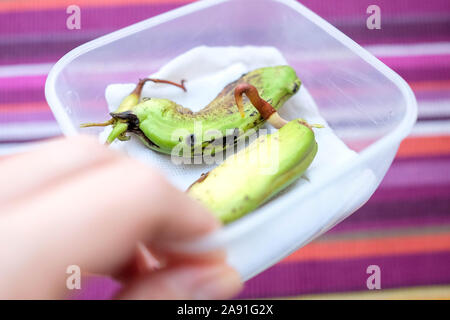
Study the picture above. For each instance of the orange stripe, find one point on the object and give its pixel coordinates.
(23, 5)
(429, 85)
(24, 107)
(342, 249)
(416, 146)
(424, 146)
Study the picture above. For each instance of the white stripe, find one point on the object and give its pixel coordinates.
(420, 129)
(46, 130)
(431, 128)
(418, 49)
(438, 48)
(32, 130)
(10, 148)
(434, 108)
(426, 108)
(18, 70)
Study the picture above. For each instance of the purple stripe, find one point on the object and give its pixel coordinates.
(97, 288)
(352, 8)
(105, 19)
(14, 83)
(42, 51)
(440, 72)
(415, 191)
(420, 61)
(31, 88)
(112, 18)
(420, 221)
(295, 278)
(432, 118)
(433, 95)
(398, 33)
(47, 37)
(402, 212)
(29, 140)
(23, 95)
(420, 68)
(404, 193)
(95, 18)
(45, 50)
(26, 117)
(426, 171)
(43, 35)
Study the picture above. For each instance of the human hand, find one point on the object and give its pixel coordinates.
(75, 202)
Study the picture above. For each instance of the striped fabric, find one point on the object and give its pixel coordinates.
(404, 228)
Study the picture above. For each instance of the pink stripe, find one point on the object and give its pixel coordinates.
(418, 172)
(352, 8)
(417, 62)
(15, 83)
(101, 19)
(349, 275)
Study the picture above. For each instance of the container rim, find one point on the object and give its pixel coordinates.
(392, 138)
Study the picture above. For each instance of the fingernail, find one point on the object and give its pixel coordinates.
(146, 261)
(223, 283)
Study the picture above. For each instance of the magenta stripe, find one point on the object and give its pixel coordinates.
(43, 35)
(433, 95)
(31, 88)
(398, 33)
(23, 95)
(417, 62)
(411, 172)
(30, 140)
(297, 278)
(41, 51)
(22, 89)
(438, 73)
(111, 18)
(29, 117)
(400, 214)
(352, 8)
(15, 83)
(420, 68)
(104, 19)
(351, 225)
(97, 288)
(384, 193)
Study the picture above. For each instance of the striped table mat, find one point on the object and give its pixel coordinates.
(405, 227)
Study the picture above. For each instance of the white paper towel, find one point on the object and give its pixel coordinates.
(207, 71)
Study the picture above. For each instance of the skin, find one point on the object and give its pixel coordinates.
(240, 185)
(64, 204)
(162, 124)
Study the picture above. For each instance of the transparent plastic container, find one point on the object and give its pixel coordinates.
(366, 104)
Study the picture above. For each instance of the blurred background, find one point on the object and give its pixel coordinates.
(405, 226)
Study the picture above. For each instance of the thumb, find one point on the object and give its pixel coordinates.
(203, 281)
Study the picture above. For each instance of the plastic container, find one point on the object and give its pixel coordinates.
(367, 105)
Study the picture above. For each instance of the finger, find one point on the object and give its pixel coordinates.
(202, 281)
(56, 160)
(145, 260)
(95, 220)
(148, 260)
